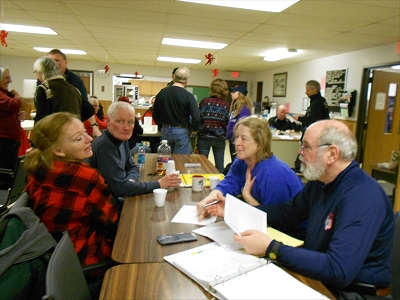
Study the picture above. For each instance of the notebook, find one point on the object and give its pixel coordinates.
(238, 275)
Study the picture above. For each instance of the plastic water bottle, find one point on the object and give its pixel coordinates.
(163, 156)
(141, 156)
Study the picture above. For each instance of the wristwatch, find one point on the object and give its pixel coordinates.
(94, 124)
(273, 253)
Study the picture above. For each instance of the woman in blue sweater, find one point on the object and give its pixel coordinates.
(257, 175)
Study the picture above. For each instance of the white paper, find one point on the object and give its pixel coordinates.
(220, 233)
(241, 216)
(267, 282)
(188, 214)
(380, 101)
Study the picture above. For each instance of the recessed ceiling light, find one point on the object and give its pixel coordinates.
(280, 53)
(396, 67)
(270, 5)
(65, 51)
(177, 59)
(193, 44)
(27, 29)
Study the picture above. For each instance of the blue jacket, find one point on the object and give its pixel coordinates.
(350, 230)
(275, 182)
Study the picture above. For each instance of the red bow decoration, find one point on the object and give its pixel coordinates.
(106, 68)
(3, 35)
(215, 73)
(210, 57)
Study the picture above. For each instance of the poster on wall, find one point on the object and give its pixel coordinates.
(335, 86)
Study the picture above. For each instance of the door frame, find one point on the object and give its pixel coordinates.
(362, 125)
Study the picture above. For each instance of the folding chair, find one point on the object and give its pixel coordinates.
(18, 184)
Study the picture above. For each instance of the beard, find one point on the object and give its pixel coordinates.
(313, 171)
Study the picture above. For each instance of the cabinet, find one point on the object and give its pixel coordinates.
(148, 88)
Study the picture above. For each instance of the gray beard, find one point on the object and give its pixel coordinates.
(313, 171)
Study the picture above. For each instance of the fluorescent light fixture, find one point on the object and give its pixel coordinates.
(270, 5)
(181, 60)
(280, 53)
(26, 29)
(396, 67)
(193, 44)
(65, 51)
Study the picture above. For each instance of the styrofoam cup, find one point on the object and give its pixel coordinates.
(213, 181)
(159, 196)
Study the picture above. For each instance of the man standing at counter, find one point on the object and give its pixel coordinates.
(281, 123)
(318, 110)
(175, 109)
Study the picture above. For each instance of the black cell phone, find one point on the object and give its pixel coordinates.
(169, 239)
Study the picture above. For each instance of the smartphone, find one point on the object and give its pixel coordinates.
(169, 239)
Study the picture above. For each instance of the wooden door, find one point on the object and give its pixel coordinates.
(379, 142)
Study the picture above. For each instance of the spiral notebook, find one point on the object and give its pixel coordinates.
(238, 275)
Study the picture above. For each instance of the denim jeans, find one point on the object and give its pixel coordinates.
(218, 146)
(178, 139)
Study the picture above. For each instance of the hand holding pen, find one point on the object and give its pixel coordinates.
(213, 204)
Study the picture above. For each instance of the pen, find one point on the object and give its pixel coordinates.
(211, 203)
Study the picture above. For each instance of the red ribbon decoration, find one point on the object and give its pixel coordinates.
(3, 35)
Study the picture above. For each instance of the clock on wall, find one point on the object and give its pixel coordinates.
(103, 71)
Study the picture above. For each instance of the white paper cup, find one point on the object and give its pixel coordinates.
(197, 183)
(170, 167)
(213, 181)
(159, 196)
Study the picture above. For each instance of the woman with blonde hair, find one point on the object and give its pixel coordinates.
(67, 194)
(240, 107)
(256, 174)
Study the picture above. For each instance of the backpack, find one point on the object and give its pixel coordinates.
(25, 249)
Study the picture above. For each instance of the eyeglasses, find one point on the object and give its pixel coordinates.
(310, 147)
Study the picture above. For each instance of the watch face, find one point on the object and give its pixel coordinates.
(103, 71)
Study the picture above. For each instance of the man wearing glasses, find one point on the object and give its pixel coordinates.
(350, 219)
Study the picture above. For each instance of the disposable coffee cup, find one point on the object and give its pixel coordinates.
(171, 189)
(197, 183)
(213, 181)
(159, 196)
(170, 167)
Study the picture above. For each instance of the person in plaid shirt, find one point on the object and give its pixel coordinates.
(67, 194)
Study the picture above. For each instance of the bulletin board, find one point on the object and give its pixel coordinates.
(335, 86)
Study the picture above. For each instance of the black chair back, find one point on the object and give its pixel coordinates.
(18, 184)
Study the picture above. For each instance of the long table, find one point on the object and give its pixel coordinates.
(143, 273)
(141, 221)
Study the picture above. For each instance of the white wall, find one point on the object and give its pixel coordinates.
(22, 68)
(299, 74)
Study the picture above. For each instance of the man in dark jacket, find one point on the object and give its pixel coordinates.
(318, 110)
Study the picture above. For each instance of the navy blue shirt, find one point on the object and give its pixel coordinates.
(350, 230)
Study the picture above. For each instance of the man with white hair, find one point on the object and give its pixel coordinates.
(350, 219)
(111, 155)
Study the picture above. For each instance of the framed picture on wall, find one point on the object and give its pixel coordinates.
(279, 85)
